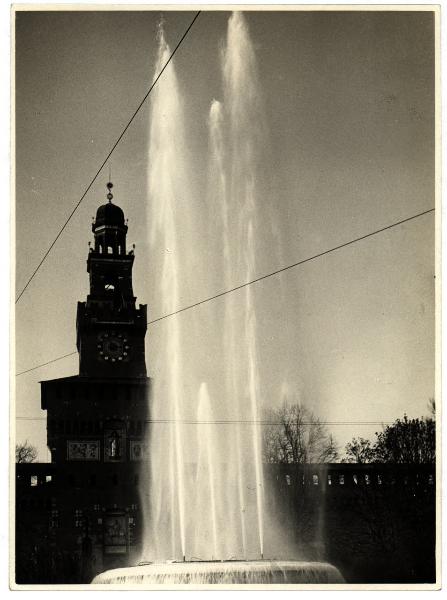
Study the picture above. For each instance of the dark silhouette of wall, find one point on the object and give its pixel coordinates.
(376, 523)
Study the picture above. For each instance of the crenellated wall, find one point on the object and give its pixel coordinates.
(376, 523)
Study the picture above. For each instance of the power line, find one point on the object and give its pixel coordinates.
(107, 157)
(237, 422)
(243, 285)
(301, 262)
(46, 363)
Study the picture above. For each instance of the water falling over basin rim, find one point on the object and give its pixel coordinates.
(225, 572)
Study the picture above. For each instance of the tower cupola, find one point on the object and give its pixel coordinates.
(109, 227)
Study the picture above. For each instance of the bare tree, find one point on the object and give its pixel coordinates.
(360, 451)
(25, 453)
(293, 434)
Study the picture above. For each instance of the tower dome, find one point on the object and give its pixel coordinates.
(109, 214)
(109, 227)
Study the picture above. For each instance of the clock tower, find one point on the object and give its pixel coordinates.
(110, 328)
(97, 421)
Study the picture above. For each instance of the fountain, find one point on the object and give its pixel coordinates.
(226, 572)
(206, 494)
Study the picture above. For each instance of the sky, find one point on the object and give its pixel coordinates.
(347, 148)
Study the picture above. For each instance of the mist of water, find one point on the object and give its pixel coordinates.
(244, 119)
(208, 502)
(167, 184)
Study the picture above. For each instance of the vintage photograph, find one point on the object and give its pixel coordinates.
(226, 270)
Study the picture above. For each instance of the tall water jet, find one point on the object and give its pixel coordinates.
(219, 152)
(215, 467)
(166, 188)
(242, 93)
(224, 489)
(207, 466)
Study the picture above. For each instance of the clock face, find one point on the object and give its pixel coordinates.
(113, 346)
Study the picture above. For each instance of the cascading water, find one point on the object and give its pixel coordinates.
(166, 185)
(244, 118)
(207, 469)
(219, 479)
(253, 572)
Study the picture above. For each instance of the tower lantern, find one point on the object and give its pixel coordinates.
(109, 227)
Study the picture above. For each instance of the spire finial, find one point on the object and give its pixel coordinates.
(110, 195)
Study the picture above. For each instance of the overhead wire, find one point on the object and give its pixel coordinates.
(271, 274)
(107, 158)
(237, 422)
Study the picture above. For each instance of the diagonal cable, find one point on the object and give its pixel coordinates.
(107, 158)
(300, 262)
(243, 285)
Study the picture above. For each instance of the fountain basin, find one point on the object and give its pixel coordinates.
(225, 572)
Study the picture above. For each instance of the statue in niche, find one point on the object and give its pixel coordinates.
(114, 445)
